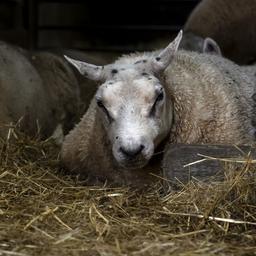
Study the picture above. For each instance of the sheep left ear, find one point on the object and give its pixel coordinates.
(211, 47)
(162, 61)
(90, 71)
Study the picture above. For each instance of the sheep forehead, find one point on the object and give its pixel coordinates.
(131, 92)
(128, 68)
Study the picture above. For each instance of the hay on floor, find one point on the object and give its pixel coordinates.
(44, 212)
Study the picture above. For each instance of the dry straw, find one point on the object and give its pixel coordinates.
(45, 212)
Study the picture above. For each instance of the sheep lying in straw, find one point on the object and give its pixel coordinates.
(39, 90)
(231, 23)
(148, 100)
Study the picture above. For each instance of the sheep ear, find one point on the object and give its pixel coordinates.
(165, 57)
(211, 47)
(91, 71)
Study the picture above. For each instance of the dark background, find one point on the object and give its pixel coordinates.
(92, 25)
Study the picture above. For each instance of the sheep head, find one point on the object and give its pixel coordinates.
(133, 106)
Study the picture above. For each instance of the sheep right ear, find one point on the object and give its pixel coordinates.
(165, 57)
(91, 71)
(211, 47)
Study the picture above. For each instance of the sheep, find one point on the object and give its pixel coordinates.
(231, 23)
(38, 90)
(146, 101)
(49, 93)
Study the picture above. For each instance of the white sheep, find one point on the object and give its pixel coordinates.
(231, 23)
(148, 100)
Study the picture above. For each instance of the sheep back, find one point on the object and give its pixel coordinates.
(232, 24)
(22, 94)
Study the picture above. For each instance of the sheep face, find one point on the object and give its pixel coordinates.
(133, 107)
(136, 115)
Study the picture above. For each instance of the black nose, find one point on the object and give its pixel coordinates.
(132, 152)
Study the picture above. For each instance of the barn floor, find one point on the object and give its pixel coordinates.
(44, 212)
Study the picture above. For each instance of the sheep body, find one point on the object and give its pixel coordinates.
(212, 102)
(38, 89)
(22, 94)
(62, 89)
(232, 24)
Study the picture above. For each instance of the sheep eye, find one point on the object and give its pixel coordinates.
(159, 98)
(101, 105)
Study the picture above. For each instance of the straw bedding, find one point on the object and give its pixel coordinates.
(43, 211)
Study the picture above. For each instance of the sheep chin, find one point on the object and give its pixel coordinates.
(133, 165)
